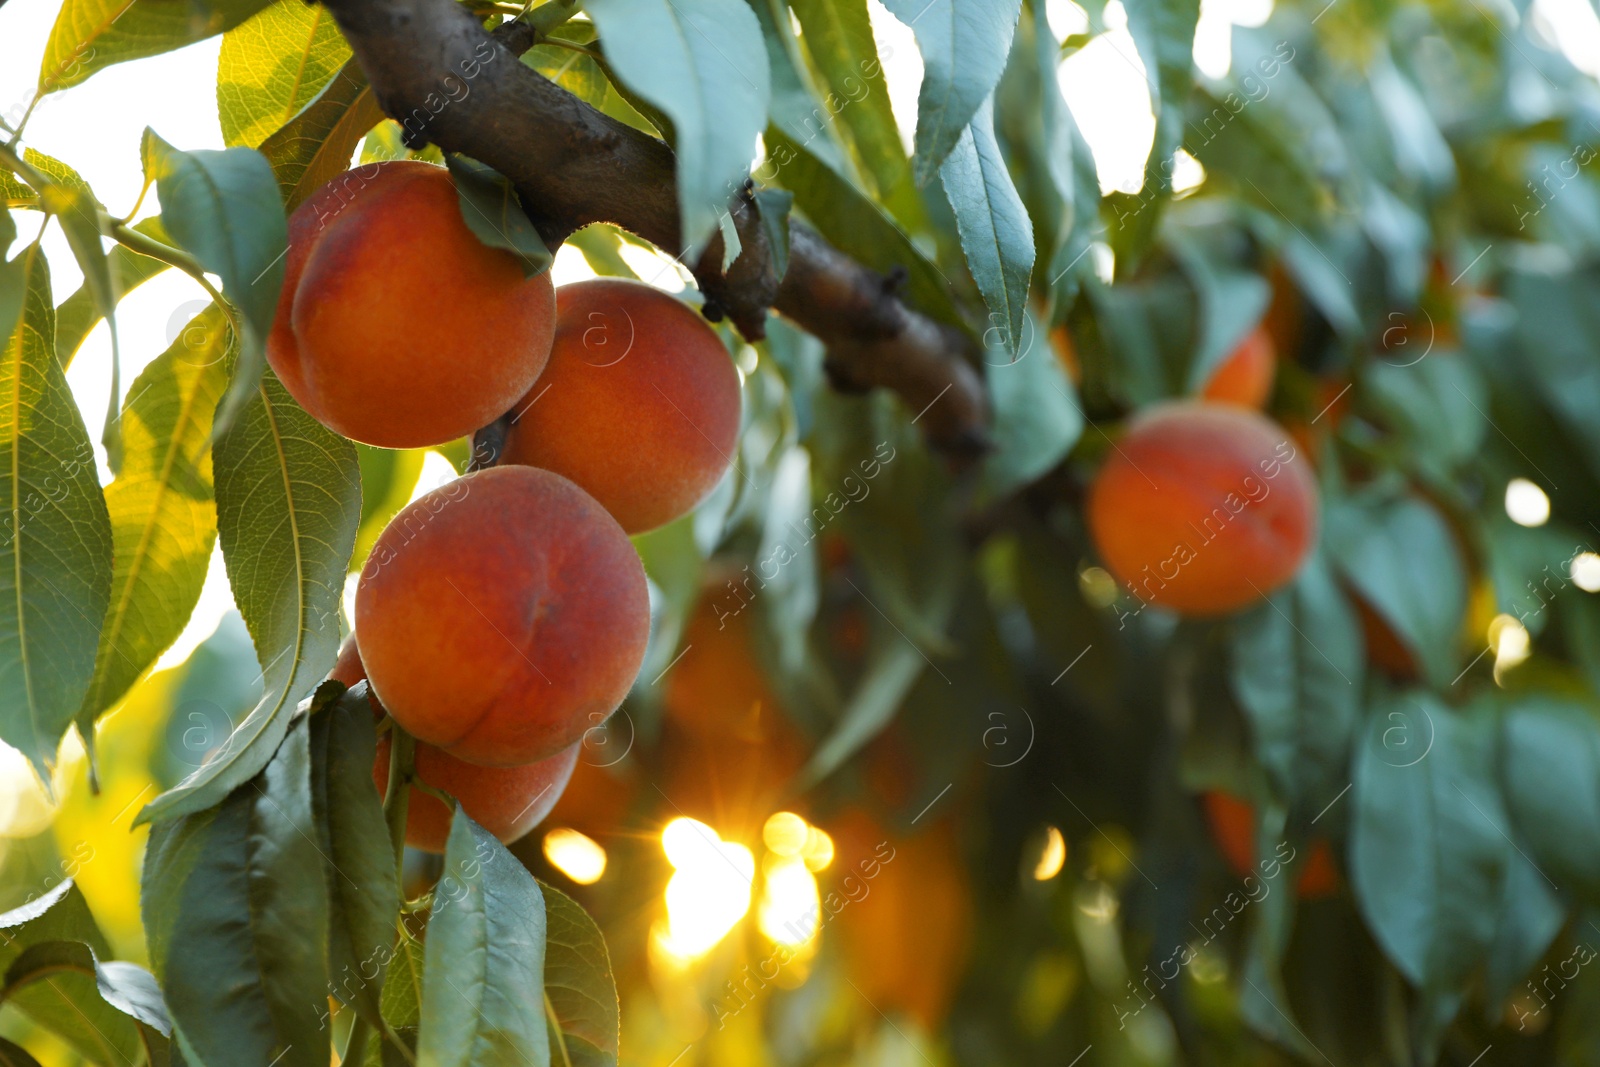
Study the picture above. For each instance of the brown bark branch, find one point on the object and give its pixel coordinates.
(437, 72)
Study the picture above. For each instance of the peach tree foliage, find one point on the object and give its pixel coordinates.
(1405, 183)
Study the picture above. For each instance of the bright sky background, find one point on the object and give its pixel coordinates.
(95, 127)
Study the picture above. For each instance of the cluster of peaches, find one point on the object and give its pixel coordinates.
(505, 614)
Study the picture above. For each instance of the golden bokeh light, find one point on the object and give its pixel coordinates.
(709, 891)
(818, 851)
(791, 906)
(1053, 857)
(785, 833)
(578, 856)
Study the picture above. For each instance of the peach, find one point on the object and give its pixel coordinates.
(639, 404)
(502, 615)
(1245, 377)
(396, 326)
(1203, 508)
(1233, 827)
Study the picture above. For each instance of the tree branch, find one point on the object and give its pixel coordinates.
(447, 81)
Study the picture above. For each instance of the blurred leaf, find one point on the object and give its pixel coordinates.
(1437, 405)
(78, 314)
(1263, 1001)
(358, 859)
(288, 505)
(273, 65)
(1529, 918)
(580, 990)
(794, 106)
(963, 45)
(238, 932)
(1297, 672)
(315, 146)
(110, 998)
(1420, 149)
(893, 668)
(55, 562)
(1557, 320)
(162, 507)
(1231, 304)
(15, 1055)
(90, 35)
(1401, 556)
(1163, 33)
(224, 209)
(995, 232)
(858, 227)
(791, 585)
(483, 987)
(1428, 846)
(1528, 568)
(492, 211)
(1037, 419)
(388, 478)
(1551, 767)
(703, 63)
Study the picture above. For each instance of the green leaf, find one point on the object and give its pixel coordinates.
(1231, 304)
(492, 211)
(90, 35)
(1263, 1000)
(272, 66)
(577, 73)
(838, 37)
(80, 313)
(225, 209)
(15, 1055)
(1163, 32)
(1550, 766)
(113, 999)
(61, 914)
(794, 107)
(483, 986)
(1427, 848)
(1400, 555)
(162, 507)
(288, 504)
(237, 929)
(402, 1001)
(55, 562)
(358, 859)
(1437, 406)
(1529, 918)
(858, 227)
(388, 478)
(964, 44)
(891, 671)
(703, 63)
(580, 990)
(1297, 672)
(996, 234)
(774, 205)
(1037, 417)
(315, 146)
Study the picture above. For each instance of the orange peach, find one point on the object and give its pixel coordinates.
(396, 326)
(502, 615)
(639, 404)
(1245, 377)
(1233, 827)
(1203, 508)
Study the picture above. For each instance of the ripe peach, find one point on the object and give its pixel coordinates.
(396, 326)
(506, 801)
(502, 615)
(639, 404)
(1245, 377)
(1203, 508)
(1233, 827)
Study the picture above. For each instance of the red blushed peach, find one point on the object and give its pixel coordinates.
(502, 615)
(506, 801)
(1203, 508)
(396, 326)
(1245, 377)
(639, 404)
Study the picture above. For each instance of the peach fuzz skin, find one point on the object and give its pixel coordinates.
(639, 404)
(1203, 508)
(506, 801)
(396, 326)
(502, 615)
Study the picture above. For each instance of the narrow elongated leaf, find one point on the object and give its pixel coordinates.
(112, 999)
(61, 1002)
(272, 66)
(288, 504)
(579, 987)
(15, 1055)
(402, 1001)
(1298, 673)
(55, 560)
(237, 929)
(483, 986)
(1427, 849)
(704, 64)
(315, 146)
(359, 862)
(493, 213)
(224, 208)
(964, 45)
(162, 506)
(1163, 32)
(996, 234)
(80, 313)
(794, 107)
(1530, 917)
(1550, 764)
(1400, 555)
(1037, 417)
(90, 35)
